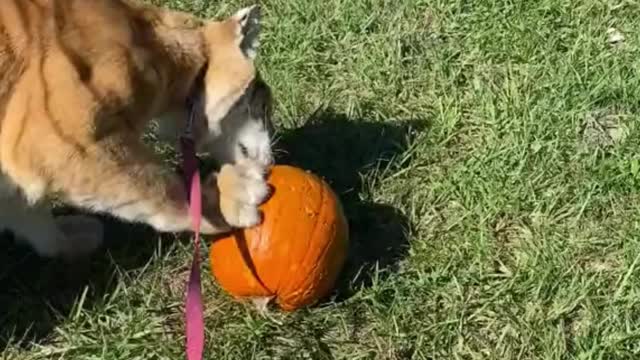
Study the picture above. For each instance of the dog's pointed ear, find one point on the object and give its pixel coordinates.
(248, 20)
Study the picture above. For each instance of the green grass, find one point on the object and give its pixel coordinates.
(494, 209)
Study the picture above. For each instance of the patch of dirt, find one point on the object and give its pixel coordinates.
(511, 234)
(602, 129)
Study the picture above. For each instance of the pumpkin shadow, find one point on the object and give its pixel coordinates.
(342, 150)
(36, 294)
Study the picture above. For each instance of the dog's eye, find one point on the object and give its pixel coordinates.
(244, 150)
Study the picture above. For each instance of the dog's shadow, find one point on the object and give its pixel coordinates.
(344, 151)
(35, 294)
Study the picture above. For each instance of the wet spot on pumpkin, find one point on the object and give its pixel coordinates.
(311, 212)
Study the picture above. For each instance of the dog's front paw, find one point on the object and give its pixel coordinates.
(243, 188)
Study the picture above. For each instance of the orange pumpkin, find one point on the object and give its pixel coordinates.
(295, 255)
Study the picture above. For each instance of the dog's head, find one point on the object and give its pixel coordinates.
(236, 101)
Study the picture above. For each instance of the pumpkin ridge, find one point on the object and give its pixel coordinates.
(280, 273)
(323, 252)
(246, 257)
(340, 224)
(267, 234)
(315, 225)
(288, 258)
(329, 244)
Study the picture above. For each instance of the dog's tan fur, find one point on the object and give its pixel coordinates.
(81, 80)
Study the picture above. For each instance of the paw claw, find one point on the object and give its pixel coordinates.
(257, 193)
(248, 217)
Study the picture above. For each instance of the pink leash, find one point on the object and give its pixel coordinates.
(194, 310)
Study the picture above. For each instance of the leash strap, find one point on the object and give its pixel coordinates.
(194, 310)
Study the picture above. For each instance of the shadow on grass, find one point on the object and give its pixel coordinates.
(36, 293)
(343, 150)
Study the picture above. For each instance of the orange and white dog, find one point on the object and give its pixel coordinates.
(82, 79)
